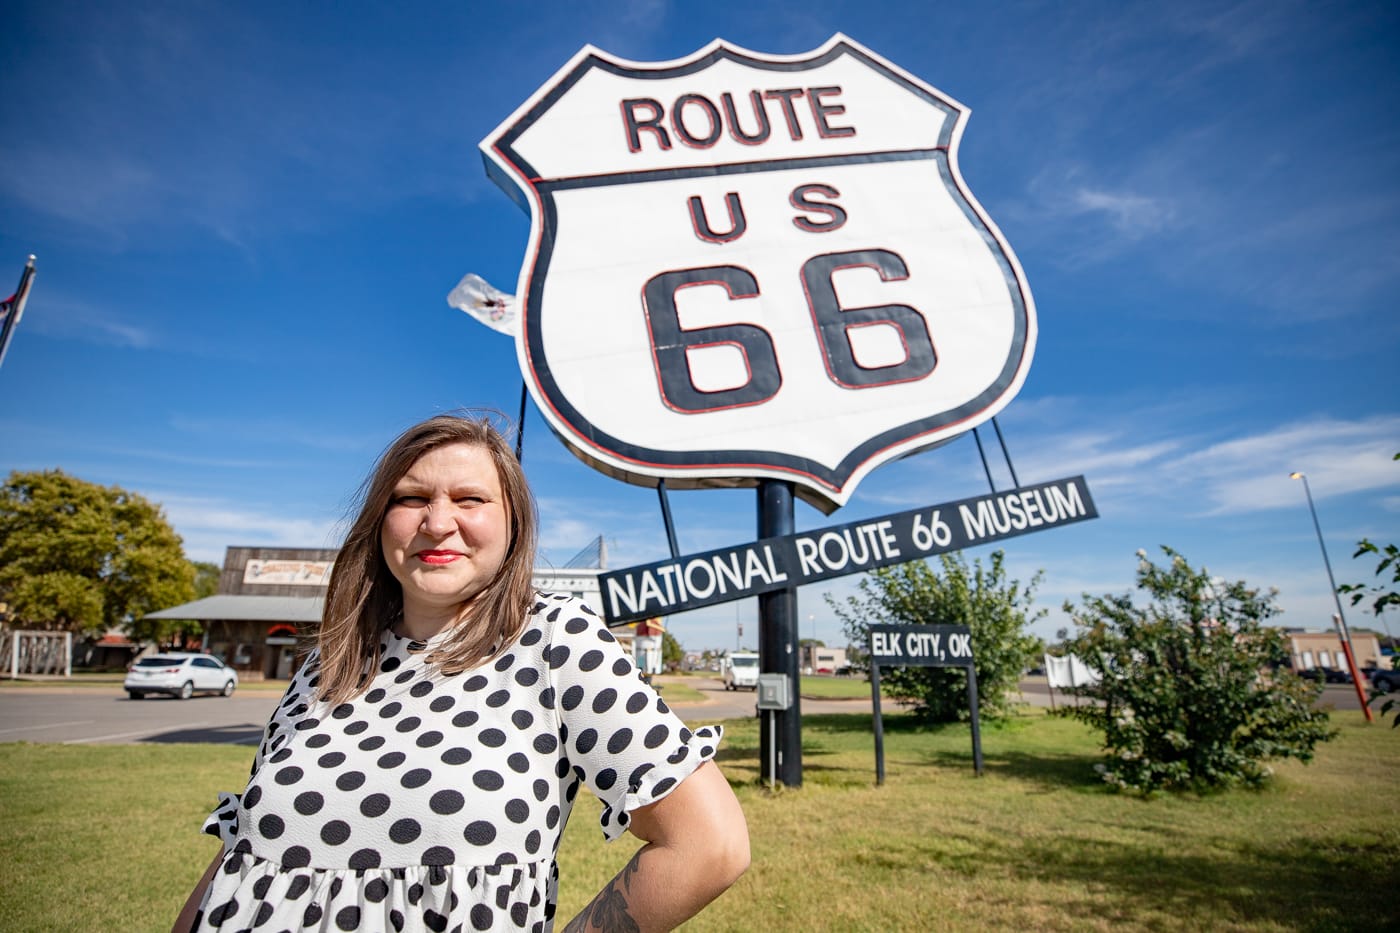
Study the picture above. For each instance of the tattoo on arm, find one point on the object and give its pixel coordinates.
(609, 911)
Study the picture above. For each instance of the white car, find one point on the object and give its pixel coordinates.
(179, 674)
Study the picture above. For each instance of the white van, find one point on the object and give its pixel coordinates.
(740, 669)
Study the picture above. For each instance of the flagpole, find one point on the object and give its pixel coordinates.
(16, 307)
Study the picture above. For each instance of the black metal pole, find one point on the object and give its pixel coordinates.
(777, 642)
(666, 517)
(976, 730)
(983, 454)
(877, 719)
(1015, 483)
(520, 425)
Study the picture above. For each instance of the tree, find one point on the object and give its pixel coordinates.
(175, 634)
(1195, 693)
(671, 653)
(78, 556)
(994, 608)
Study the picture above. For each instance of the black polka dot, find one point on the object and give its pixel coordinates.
(465, 718)
(299, 886)
(590, 660)
(488, 780)
(281, 756)
(446, 802)
(527, 676)
(474, 684)
(396, 921)
(545, 743)
(404, 677)
(376, 891)
(504, 662)
(636, 702)
(532, 842)
(408, 724)
(390, 710)
(309, 802)
(656, 735)
(296, 857)
(271, 826)
(482, 918)
(416, 778)
(571, 698)
(335, 833)
(355, 728)
(375, 805)
(250, 799)
(434, 921)
(428, 739)
(350, 780)
(375, 695)
(306, 725)
(480, 833)
(606, 778)
(586, 740)
(620, 667)
(392, 760)
(390, 665)
(518, 763)
(635, 780)
(331, 760)
(456, 756)
(498, 699)
(620, 740)
(261, 885)
(679, 755)
(318, 741)
(604, 700)
(517, 810)
(547, 698)
(551, 819)
(224, 911)
(372, 743)
(442, 704)
(662, 786)
(405, 831)
(576, 626)
(348, 918)
(531, 637)
(541, 789)
(661, 706)
(421, 689)
(312, 915)
(364, 858)
(415, 893)
(492, 738)
(605, 635)
(438, 855)
(557, 656)
(523, 719)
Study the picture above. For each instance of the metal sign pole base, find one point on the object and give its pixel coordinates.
(781, 751)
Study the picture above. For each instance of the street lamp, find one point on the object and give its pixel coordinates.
(1343, 632)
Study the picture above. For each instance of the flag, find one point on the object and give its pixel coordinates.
(12, 308)
(487, 304)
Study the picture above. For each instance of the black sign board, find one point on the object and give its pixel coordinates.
(794, 560)
(921, 646)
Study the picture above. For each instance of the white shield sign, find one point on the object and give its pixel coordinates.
(746, 266)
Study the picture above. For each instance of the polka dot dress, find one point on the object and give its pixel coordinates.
(436, 802)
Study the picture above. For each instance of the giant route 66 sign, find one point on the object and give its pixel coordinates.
(746, 266)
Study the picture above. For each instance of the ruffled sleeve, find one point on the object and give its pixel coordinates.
(621, 738)
(223, 821)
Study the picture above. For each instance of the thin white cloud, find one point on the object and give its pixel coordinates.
(209, 526)
(1133, 215)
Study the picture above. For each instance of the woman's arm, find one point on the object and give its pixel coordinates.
(186, 918)
(697, 846)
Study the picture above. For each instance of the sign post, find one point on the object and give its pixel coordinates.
(921, 646)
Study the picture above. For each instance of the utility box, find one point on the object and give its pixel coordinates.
(774, 691)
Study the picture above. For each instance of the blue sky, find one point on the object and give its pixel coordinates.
(247, 217)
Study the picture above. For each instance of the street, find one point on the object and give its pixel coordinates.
(86, 715)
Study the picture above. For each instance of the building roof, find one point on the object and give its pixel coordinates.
(247, 608)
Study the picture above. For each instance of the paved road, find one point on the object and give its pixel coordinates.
(101, 715)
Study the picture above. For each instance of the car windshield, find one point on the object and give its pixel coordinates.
(746, 662)
(158, 662)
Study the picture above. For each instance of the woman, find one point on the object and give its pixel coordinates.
(422, 766)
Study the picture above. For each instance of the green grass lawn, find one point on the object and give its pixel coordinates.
(106, 837)
(835, 688)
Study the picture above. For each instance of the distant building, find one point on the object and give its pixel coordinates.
(270, 600)
(1322, 650)
(818, 659)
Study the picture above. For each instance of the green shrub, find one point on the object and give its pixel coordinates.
(1194, 691)
(994, 609)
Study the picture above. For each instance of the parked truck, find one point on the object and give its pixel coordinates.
(740, 669)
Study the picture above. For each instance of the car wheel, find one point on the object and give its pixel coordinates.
(228, 689)
(136, 694)
(1383, 684)
(186, 690)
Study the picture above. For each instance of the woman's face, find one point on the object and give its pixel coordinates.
(447, 529)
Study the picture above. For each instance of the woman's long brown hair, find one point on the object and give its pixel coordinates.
(364, 599)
